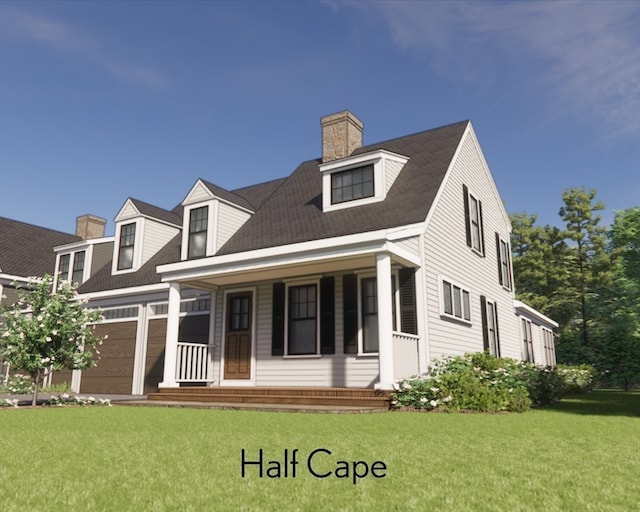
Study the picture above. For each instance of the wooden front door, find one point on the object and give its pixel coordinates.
(237, 354)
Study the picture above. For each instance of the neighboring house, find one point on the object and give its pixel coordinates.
(30, 251)
(358, 269)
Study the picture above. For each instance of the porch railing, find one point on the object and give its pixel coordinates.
(194, 362)
(405, 355)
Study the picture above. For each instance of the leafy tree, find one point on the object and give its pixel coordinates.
(587, 259)
(47, 331)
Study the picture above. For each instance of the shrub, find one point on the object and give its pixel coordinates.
(484, 383)
(67, 399)
(19, 384)
(577, 379)
(8, 402)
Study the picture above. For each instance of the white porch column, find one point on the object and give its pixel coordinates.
(171, 343)
(385, 321)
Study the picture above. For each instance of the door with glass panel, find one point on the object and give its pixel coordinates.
(237, 355)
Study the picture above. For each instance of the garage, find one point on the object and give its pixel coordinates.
(114, 372)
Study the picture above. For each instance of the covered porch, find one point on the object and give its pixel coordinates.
(244, 353)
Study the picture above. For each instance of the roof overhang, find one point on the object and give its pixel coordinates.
(525, 310)
(349, 252)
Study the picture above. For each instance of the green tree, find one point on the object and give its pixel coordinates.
(47, 331)
(540, 267)
(587, 258)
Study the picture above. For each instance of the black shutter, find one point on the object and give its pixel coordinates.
(408, 321)
(481, 224)
(327, 307)
(485, 325)
(499, 260)
(350, 312)
(277, 326)
(467, 217)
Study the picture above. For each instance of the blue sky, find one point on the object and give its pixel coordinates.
(100, 101)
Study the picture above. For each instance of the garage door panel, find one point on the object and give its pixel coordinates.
(114, 370)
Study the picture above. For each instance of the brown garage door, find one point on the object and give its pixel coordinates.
(114, 372)
(156, 339)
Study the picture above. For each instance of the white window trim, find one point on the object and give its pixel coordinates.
(395, 299)
(212, 215)
(137, 246)
(453, 317)
(293, 283)
(86, 271)
(481, 251)
(509, 282)
(378, 159)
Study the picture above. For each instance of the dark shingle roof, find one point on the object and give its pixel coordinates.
(228, 196)
(156, 212)
(294, 212)
(27, 250)
(103, 280)
(258, 194)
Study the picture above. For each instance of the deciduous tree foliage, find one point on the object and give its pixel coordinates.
(48, 331)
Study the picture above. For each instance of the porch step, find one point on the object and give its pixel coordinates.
(350, 397)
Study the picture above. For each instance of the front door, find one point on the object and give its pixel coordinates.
(237, 354)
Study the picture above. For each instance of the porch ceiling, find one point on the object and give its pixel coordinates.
(277, 272)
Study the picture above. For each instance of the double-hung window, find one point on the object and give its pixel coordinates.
(78, 267)
(490, 328)
(369, 302)
(473, 221)
(302, 332)
(352, 184)
(527, 338)
(126, 245)
(63, 267)
(456, 301)
(504, 262)
(198, 223)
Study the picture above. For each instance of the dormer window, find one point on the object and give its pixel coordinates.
(198, 225)
(125, 250)
(360, 179)
(352, 184)
(78, 267)
(63, 267)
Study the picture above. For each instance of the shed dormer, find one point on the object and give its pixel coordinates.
(211, 216)
(141, 231)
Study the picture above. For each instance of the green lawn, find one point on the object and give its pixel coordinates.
(583, 454)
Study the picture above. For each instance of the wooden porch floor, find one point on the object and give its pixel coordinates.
(289, 396)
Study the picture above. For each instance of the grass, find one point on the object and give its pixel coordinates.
(582, 454)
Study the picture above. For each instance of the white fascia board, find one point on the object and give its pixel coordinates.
(534, 313)
(122, 292)
(8, 279)
(345, 163)
(82, 244)
(316, 250)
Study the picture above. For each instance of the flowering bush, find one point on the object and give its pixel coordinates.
(19, 384)
(484, 383)
(67, 399)
(577, 379)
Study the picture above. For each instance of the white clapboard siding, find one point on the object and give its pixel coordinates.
(229, 220)
(155, 236)
(391, 171)
(447, 255)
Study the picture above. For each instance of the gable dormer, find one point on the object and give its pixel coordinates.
(348, 180)
(211, 216)
(141, 231)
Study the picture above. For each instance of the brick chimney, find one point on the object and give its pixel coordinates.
(341, 135)
(90, 226)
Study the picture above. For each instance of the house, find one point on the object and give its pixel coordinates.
(30, 251)
(358, 269)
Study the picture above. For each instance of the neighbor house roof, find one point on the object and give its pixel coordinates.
(27, 250)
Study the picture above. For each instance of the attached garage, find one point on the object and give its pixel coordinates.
(114, 372)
